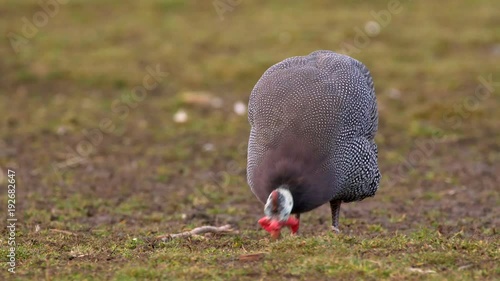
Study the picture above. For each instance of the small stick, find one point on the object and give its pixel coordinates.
(252, 257)
(63, 231)
(226, 229)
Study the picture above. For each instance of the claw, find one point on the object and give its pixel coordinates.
(335, 229)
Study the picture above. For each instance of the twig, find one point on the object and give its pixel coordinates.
(111, 254)
(252, 257)
(63, 231)
(47, 268)
(225, 229)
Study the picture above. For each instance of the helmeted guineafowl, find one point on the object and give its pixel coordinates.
(313, 121)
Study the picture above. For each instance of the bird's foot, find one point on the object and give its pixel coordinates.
(335, 229)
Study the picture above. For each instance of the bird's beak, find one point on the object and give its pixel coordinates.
(275, 234)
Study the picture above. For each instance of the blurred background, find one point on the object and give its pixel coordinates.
(131, 115)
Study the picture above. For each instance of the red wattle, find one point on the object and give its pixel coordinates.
(293, 223)
(264, 222)
(270, 225)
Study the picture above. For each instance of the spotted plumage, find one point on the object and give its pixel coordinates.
(313, 121)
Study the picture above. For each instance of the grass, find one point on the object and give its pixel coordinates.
(90, 202)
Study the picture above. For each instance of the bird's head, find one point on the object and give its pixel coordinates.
(277, 213)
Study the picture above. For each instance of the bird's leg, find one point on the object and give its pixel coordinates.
(335, 206)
